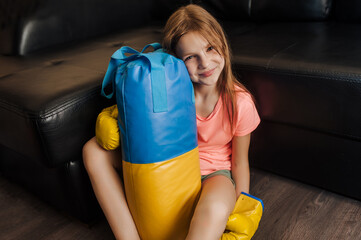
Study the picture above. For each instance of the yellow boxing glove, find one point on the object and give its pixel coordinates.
(106, 129)
(244, 220)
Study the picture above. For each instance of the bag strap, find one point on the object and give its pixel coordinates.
(158, 81)
(156, 46)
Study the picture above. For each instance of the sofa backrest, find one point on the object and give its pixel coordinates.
(162, 9)
(347, 10)
(266, 10)
(27, 26)
(227, 9)
(30, 25)
(290, 10)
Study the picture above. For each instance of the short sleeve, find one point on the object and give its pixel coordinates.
(247, 115)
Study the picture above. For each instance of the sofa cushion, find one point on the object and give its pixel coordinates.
(45, 111)
(305, 75)
(48, 110)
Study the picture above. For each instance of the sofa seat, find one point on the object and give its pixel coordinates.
(306, 78)
(53, 100)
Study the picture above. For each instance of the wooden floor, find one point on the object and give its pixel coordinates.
(292, 211)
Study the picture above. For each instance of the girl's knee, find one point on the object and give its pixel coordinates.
(217, 212)
(219, 198)
(222, 210)
(89, 152)
(96, 158)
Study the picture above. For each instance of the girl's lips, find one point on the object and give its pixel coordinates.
(207, 73)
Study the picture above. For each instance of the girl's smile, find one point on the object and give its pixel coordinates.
(203, 62)
(208, 73)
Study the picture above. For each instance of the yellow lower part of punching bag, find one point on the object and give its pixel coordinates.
(162, 196)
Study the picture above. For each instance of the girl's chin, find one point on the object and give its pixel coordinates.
(205, 82)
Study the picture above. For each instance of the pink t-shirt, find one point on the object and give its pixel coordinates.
(215, 136)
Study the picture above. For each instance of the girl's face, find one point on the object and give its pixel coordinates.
(203, 62)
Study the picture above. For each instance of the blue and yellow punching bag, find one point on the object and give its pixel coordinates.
(157, 121)
(246, 215)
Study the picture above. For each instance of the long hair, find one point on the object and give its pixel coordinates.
(193, 18)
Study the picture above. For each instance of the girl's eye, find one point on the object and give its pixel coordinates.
(188, 58)
(210, 48)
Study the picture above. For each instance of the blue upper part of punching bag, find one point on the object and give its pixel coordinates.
(155, 100)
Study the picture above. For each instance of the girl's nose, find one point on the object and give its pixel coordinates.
(203, 61)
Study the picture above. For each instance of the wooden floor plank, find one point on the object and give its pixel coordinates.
(297, 211)
(292, 211)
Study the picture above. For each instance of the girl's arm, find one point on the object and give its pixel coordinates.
(240, 164)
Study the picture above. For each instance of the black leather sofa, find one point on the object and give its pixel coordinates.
(300, 59)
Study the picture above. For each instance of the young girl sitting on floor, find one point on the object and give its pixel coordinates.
(226, 116)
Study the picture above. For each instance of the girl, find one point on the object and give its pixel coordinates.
(226, 116)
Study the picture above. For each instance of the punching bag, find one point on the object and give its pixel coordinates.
(158, 132)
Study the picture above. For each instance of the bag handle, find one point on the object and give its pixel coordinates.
(115, 62)
(158, 82)
(155, 46)
(117, 59)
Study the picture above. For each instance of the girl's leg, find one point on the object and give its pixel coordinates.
(102, 167)
(216, 203)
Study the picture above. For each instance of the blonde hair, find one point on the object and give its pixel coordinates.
(193, 18)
